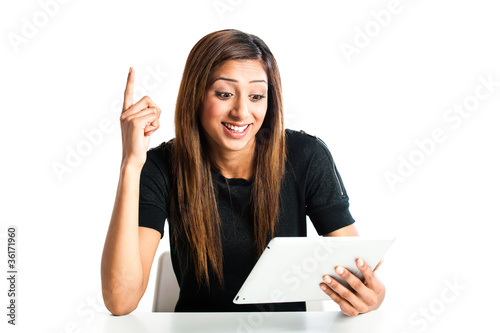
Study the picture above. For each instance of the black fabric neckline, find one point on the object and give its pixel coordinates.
(231, 181)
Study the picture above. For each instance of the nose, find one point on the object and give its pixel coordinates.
(239, 108)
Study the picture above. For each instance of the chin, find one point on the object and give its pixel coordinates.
(236, 146)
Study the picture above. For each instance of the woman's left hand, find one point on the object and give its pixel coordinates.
(367, 295)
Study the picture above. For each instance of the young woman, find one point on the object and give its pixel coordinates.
(230, 180)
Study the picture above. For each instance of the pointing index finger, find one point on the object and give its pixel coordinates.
(129, 90)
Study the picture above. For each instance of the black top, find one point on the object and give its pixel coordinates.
(312, 186)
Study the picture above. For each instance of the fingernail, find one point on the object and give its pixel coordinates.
(323, 287)
(340, 270)
(327, 279)
(361, 263)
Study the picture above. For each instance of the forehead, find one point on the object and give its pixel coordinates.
(241, 70)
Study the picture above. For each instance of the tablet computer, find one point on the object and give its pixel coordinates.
(291, 268)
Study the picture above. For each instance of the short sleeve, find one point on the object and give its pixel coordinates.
(327, 202)
(153, 192)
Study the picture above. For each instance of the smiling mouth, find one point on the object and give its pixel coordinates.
(235, 129)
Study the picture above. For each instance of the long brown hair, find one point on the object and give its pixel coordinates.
(194, 215)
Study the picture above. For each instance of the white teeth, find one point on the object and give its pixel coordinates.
(236, 128)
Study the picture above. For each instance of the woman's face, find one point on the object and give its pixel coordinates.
(234, 106)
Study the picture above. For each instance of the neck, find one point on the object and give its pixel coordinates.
(235, 164)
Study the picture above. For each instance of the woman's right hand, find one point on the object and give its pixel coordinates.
(138, 121)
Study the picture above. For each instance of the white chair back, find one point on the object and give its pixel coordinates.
(166, 288)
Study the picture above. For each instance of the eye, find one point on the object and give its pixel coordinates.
(223, 95)
(257, 98)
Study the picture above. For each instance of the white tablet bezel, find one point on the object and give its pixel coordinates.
(291, 268)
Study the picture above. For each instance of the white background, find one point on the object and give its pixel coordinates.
(369, 108)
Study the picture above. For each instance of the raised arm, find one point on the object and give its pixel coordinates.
(129, 250)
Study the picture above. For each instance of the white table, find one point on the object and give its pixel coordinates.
(240, 322)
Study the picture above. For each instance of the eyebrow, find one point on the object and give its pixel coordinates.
(233, 80)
